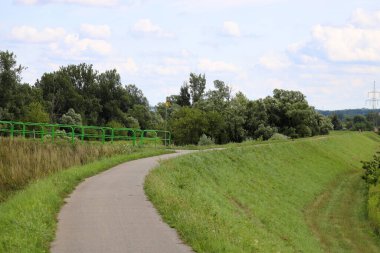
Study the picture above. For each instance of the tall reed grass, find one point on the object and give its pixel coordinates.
(24, 160)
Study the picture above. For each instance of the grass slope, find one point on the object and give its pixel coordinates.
(339, 217)
(28, 218)
(254, 198)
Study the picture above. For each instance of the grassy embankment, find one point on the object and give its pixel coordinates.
(373, 201)
(295, 196)
(374, 206)
(36, 179)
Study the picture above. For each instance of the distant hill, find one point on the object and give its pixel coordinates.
(347, 112)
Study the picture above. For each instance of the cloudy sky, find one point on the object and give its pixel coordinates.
(329, 50)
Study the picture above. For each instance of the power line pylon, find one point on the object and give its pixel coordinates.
(373, 101)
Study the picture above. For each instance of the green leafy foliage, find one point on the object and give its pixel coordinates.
(372, 170)
(372, 177)
(71, 118)
(35, 112)
(204, 140)
(79, 94)
(277, 137)
(188, 124)
(197, 85)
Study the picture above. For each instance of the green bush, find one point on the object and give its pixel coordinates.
(371, 176)
(277, 136)
(71, 118)
(204, 140)
(372, 170)
(264, 132)
(374, 206)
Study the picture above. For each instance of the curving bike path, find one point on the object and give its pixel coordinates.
(110, 212)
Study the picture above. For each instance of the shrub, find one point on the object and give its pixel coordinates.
(71, 118)
(371, 176)
(264, 132)
(35, 112)
(372, 170)
(204, 140)
(278, 136)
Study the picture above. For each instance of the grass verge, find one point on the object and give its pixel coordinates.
(374, 206)
(254, 198)
(28, 218)
(25, 160)
(338, 217)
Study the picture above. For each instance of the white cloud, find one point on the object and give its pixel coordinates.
(129, 66)
(33, 35)
(356, 41)
(73, 45)
(124, 66)
(274, 61)
(222, 3)
(348, 43)
(27, 2)
(170, 66)
(146, 27)
(217, 66)
(171, 70)
(60, 42)
(364, 70)
(96, 31)
(366, 19)
(231, 28)
(107, 3)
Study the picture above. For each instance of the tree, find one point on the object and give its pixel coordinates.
(197, 86)
(115, 124)
(183, 99)
(83, 79)
(58, 94)
(337, 123)
(135, 96)
(291, 113)
(216, 127)
(187, 125)
(264, 132)
(131, 122)
(142, 114)
(35, 112)
(10, 78)
(360, 123)
(235, 117)
(71, 118)
(325, 125)
(256, 115)
(218, 99)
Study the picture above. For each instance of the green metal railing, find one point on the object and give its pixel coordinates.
(45, 131)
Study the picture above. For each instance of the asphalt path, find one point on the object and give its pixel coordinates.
(110, 212)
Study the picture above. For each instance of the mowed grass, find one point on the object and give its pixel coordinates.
(28, 217)
(256, 198)
(339, 219)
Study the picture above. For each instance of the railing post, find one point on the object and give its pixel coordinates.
(82, 134)
(23, 130)
(12, 130)
(72, 135)
(134, 137)
(52, 133)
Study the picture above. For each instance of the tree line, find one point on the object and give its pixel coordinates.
(82, 95)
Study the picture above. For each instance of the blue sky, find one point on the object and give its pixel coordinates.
(329, 50)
